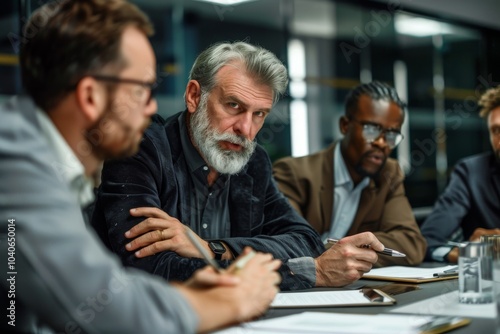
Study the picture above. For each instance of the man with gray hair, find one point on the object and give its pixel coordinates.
(202, 169)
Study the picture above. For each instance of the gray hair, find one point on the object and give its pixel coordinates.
(259, 62)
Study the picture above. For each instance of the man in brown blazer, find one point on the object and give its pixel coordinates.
(352, 186)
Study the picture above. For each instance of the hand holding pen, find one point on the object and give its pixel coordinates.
(386, 251)
(247, 287)
(347, 261)
(239, 263)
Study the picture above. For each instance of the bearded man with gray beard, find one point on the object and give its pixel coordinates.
(202, 170)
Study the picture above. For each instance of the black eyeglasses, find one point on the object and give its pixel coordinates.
(373, 131)
(149, 86)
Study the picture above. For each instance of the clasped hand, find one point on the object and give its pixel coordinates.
(159, 232)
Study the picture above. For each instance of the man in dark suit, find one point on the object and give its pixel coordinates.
(352, 186)
(202, 169)
(470, 205)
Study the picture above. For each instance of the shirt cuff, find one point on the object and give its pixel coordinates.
(304, 269)
(440, 253)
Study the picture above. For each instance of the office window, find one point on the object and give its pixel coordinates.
(440, 67)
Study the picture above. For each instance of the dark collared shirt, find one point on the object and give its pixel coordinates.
(209, 204)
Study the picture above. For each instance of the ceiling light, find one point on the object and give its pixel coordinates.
(299, 126)
(226, 2)
(420, 27)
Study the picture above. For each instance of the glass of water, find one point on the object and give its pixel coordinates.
(475, 285)
(494, 242)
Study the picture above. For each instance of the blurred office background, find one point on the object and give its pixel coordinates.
(440, 55)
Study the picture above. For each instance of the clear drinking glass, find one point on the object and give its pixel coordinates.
(494, 242)
(475, 285)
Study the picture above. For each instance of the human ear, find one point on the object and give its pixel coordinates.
(91, 98)
(343, 124)
(193, 95)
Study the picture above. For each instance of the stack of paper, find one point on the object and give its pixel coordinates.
(317, 322)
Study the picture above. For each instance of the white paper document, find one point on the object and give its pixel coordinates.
(331, 298)
(318, 322)
(447, 304)
(408, 272)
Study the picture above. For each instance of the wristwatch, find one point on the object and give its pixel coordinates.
(218, 248)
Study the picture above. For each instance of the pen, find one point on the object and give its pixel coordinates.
(446, 274)
(386, 251)
(243, 261)
(457, 244)
(203, 251)
(453, 271)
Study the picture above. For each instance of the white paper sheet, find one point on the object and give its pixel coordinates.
(408, 272)
(318, 322)
(447, 304)
(320, 298)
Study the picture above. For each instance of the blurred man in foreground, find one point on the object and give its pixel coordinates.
(89, 68)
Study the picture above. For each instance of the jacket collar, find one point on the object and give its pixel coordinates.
(328, 184)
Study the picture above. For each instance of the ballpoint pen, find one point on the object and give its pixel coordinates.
(386, 251)
(447, 273)
(457, 244)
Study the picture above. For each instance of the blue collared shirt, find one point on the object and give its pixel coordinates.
(346, 198)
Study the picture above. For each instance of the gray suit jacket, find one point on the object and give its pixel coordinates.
(61, 276)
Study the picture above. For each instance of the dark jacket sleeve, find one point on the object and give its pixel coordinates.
(134, 182)
(277, 229)
(451, 207)
(146, 180)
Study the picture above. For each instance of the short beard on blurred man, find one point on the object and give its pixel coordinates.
(207, 141)
(110, 137)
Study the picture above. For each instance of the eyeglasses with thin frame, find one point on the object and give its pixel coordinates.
(373, 131)
(149, 86)
(495, 131)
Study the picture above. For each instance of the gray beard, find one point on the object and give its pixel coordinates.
(207, 141)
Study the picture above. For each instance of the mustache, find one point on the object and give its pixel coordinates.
(234, 139)
(371, 152)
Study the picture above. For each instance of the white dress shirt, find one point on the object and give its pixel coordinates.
(66, 165)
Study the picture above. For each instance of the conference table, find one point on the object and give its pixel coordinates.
(423, 292)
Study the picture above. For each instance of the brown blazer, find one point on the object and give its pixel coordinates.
(383, 207)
